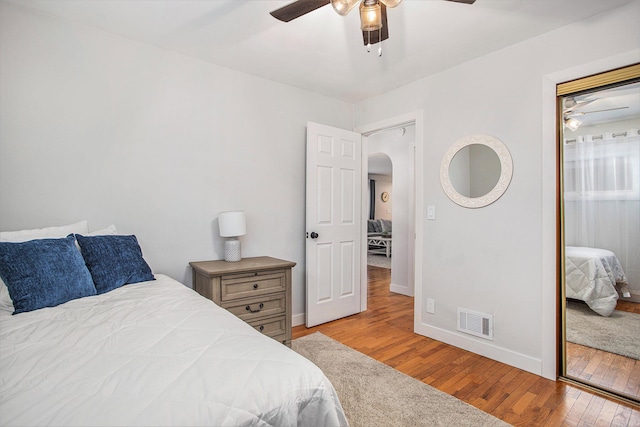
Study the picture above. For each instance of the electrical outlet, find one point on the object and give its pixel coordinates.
(431, 306)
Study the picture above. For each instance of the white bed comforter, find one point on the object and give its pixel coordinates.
(153, 354)
(591, 276)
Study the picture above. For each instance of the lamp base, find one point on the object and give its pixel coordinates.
(232, 252)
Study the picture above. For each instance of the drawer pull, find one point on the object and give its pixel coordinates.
(255, 286)
(261, 328)
(260, 307)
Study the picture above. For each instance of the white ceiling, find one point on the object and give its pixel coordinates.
(322, 51)
(380, 164)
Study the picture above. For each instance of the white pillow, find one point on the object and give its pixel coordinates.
(109, 231)
(5, 299)
(44, 233)
(39, 233)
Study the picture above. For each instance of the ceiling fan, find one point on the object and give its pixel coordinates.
(373, 15)
(571, 104)
(571, 107)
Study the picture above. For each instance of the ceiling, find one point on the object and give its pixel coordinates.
(380, 164)
(322, 51)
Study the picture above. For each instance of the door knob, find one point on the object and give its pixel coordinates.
(314, 235)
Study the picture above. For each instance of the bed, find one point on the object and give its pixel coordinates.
(592, 276)
(152, 353)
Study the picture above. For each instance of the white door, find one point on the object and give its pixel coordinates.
(334, 177)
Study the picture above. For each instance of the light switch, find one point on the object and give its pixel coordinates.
(431, 306)
(431, 212)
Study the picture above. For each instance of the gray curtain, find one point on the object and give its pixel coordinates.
(372, 199)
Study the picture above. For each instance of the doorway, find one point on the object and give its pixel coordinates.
(599, 231)
(390, 219)
(353, 145)
(380, 214)
(413, 188)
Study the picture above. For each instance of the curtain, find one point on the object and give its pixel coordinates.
(372, 199)
(602, 196)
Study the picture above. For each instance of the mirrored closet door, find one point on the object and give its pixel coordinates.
(599, 201)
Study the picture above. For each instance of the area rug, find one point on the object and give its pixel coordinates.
(618, 333)
(374, 394)
(378, 260)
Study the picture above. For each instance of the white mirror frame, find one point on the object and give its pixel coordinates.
(506, 171)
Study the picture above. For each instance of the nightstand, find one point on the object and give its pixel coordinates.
(257, 290)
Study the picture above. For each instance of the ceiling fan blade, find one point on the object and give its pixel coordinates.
(582, 113)
(464, 1)
(572, 105)
(373, 37)
(297, 9)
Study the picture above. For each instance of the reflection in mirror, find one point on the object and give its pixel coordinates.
(474, 171)
(600, 214)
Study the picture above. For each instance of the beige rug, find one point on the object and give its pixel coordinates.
(618, 333)
(374, 394)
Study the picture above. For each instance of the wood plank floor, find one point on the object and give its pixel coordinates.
(604, 369)
(385, 332)
(631, 307)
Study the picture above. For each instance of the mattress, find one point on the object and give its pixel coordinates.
(153, 354)
(592, 275)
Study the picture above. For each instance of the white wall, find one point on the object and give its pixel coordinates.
(495, 259)
(98, 127)
(384, 183)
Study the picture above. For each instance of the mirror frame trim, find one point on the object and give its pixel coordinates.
(506, 171)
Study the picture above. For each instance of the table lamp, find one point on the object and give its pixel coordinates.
(232, 224)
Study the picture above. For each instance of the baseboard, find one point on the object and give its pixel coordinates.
(511, 358)
(635, 297)
(403, 290)
(298, 319)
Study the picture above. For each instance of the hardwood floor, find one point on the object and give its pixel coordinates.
(631, 307)
(385, 332)
(604, 369)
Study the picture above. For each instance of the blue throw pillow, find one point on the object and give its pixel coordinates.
(114, 261)
(44, 273)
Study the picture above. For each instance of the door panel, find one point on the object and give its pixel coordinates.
(347, 261)
(334, 175)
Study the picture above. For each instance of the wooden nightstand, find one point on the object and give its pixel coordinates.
(257, 290)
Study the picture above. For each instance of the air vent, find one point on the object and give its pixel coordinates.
(474, 323)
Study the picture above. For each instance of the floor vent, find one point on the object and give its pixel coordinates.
(474, 323)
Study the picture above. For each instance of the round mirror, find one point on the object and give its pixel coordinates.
(476, 171)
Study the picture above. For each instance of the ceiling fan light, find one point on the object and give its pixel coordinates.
(391, 3)
(370, 16)
(572, 124)
(342, 7)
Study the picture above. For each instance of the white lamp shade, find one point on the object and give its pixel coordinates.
(232, 224)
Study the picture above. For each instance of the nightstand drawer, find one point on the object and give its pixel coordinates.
(257, 290)
(272, 326)
(256, 308)
(248, 286)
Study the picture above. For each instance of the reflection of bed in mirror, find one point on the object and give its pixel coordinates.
(592, 276)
